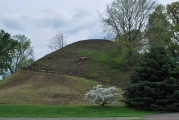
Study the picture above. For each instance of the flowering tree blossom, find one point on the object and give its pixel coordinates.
(101, 95)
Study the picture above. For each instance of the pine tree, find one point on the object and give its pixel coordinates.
(155, 82)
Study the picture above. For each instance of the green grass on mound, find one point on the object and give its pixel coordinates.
(30, 87)
(9, 111)
(104, 62)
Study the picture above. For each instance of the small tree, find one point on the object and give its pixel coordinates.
(23, 55)
(19, 57)
(102, 96)
(155, 82)
(58, 41)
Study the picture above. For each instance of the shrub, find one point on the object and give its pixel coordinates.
(102, 96)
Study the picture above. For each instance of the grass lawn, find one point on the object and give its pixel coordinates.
(69, 111)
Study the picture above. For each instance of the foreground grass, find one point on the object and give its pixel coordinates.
(69, 111)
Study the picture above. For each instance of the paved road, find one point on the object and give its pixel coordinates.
(112, 118)
(168, 116)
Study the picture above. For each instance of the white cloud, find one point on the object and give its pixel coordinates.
(40, 20)
(11, 21)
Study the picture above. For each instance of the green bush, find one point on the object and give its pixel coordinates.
(154, 82)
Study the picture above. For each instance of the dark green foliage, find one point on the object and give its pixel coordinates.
(155, 82)
(7, 46)
(15, 53)
(6, 43)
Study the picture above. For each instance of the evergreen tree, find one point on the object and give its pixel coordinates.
(155, 82)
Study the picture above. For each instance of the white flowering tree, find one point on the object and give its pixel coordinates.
(102, 96)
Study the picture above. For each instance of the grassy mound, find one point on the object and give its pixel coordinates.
(29, 87)
(63, 78)
(103, 62)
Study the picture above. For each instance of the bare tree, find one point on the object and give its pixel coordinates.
(58, 41)
(124, 20)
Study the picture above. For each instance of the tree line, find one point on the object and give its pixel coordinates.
(141, 24)
(151, 29)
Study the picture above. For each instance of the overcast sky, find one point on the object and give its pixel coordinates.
(40, 20)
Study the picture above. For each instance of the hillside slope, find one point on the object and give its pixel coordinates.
(99, 65)
(62, 78)
(29, 87)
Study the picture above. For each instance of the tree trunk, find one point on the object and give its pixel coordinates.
(103, 104)
(130, 54)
